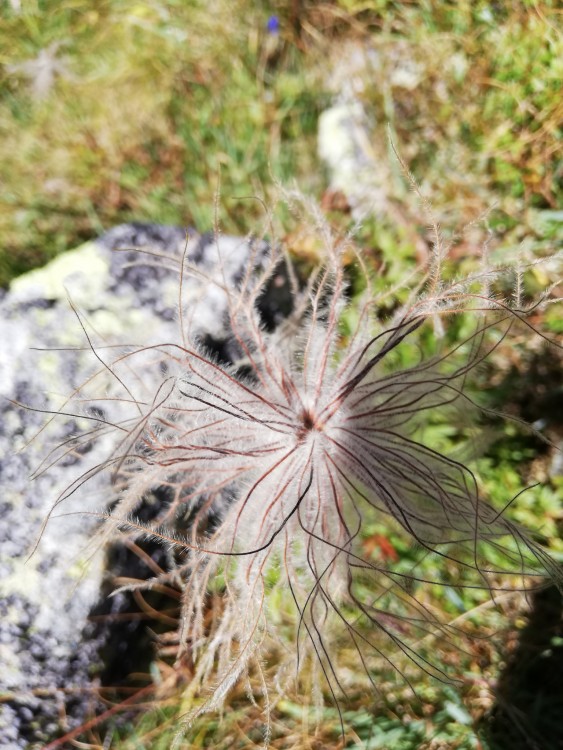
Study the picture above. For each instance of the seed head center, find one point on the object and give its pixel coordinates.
(308, 423)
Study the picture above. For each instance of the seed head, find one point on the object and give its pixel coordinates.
(278, 462)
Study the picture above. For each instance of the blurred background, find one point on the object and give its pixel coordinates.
(113, 110)
(191, 112)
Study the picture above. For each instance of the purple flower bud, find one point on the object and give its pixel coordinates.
(273, 25)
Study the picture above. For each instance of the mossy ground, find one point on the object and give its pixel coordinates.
(189, 112)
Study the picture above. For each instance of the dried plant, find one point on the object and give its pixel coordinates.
(275, 463)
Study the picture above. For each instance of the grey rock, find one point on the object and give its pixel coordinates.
(50, 577)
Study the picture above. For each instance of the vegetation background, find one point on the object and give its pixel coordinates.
(115, 110)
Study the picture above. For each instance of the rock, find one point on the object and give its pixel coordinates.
(107, 293)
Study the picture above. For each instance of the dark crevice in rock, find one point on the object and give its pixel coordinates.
(126, 632)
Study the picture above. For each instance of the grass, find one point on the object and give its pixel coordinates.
(100, 143)
(157, 108)
(104, 144)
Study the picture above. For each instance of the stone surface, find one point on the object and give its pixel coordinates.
(358, 164)
(108, 293)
